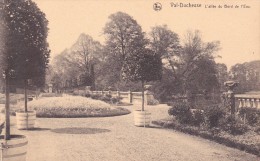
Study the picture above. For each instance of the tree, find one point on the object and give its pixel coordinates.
(143, 65)
(248, 76)
(222, 74)
(197, 60)
(25, 51)
(123, 36)
(166, 43)
(77, 63)
(86, 53)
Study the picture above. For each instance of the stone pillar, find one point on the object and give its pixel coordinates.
(231, 96)
(109, 90)
(118, 94)
(130, 97)
(50, 88)
(87, 90)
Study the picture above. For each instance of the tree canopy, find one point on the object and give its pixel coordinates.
(25, 40)
(124, 36)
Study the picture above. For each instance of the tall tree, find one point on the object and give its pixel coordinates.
(197, 55)
(77, 63)
(86, 53)
(123, 37)
(25, 50)
(166, 44)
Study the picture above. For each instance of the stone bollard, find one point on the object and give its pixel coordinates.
(118, 94)
(130, 97)
(230, 96)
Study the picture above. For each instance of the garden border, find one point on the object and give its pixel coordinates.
(221, 140)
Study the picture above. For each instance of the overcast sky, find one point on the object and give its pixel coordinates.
(238, 29)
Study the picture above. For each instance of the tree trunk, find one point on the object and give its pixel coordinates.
(7, 108)
(92, 73)
(142, 95)
(25, 95)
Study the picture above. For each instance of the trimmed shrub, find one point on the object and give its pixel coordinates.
(214, 114)
(106, 98)
(182, 113)
(51, 95)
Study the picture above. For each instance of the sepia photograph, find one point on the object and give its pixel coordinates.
(121, 80)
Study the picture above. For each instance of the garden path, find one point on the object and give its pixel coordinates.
(117, 139)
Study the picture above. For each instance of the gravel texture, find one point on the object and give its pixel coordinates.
(117, 139)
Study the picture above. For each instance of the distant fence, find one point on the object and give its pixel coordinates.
(127, 96)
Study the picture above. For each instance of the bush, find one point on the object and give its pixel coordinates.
(251, 114)
(51, 95)
(106, 98)
(198, 117)
(87, 95)
(182, 113)
(257, 130)
(96, 96)
(214, 114)
(233, 126)
(115, 100)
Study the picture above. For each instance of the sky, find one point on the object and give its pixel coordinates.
(237, 28)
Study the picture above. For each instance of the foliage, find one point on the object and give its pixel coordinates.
(247, 74)
(124, 36)
(233, 126)
(251, 115)
(76, 66)
(185, 115)
(144, 66)
(166, 43)
(198, 117)
(222, 75)
(26, 41)
(50, 95)
(106, 98)
(182, 113)
(214, 114)
(24, 48)
(74, 106)
(190, 69)
(248, 142)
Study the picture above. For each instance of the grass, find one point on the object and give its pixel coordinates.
(74, 106)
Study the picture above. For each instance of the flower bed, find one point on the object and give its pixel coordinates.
(74, 106)
(249, 142)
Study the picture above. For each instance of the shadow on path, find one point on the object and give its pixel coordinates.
(39, 129)
(79, 130)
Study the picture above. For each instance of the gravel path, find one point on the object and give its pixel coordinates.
(117, 139)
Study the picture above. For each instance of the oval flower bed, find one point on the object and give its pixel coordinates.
(74, 106)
